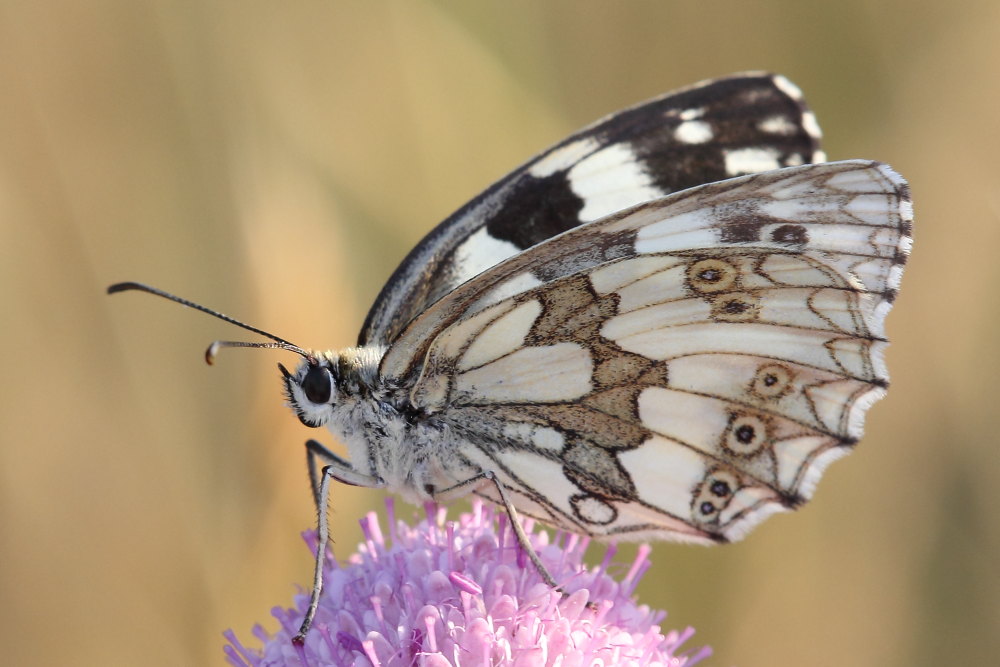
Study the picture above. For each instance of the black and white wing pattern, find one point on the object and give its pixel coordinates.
(743, 124)
(665, 326)
(678, 370)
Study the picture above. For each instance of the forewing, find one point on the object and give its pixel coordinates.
(712, 131)
(681, 370)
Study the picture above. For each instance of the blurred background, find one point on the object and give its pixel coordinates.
(276, 161)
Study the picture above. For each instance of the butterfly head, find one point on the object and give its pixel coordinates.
(327, 381)
(312, 389)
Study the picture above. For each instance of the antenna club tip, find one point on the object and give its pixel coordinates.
(211, 352)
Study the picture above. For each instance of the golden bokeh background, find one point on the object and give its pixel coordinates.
(276, 160)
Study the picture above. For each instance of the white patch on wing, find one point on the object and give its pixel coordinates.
(481, 251)
(691, 114)
(663, 286)
(544, 374)
(777, 125)
(691, 229)
(504, 335)
(871, 209)
(538, 473)
(787, 87)
(723, 375)
(540, 437)
(564, 157)
(594, 510)
(649, 332)
(668, 239)
(795, 271)
(831, 400)
(664, 473)
(693, 132)
(810, 125)
(835, 306)
(452, 341)
(859, 180)
(746, 502)
(548, 438)
(852, 354)
(730, 376)
(610, 180)
(794, 453)
(616, 275)
(688, 418)
(667, 526)
(522, 282)
(742, 161)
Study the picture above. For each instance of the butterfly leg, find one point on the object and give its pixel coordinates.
(522, 538)
(317, 451)
(339, 470)
(489, 477)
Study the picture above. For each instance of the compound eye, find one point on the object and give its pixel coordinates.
(318, 385)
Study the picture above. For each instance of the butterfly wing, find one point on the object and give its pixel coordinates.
(679, 370)
(712, 131)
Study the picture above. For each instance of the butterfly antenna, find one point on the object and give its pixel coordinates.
(213, 349)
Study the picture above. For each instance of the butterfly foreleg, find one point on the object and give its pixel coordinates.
(340, 470)
(317, 451)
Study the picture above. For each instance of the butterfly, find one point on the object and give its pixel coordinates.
(664, 327)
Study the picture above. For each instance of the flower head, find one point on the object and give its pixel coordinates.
(463, 593)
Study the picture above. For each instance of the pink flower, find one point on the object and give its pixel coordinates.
(462, 593)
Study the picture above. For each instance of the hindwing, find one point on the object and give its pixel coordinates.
(681, 369)
(712, 131)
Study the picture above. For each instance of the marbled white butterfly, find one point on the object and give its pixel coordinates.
(665, 326)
